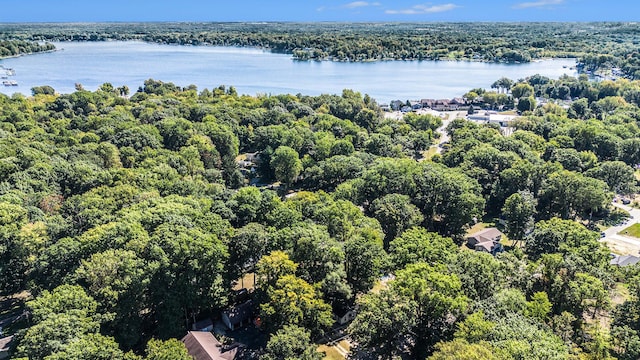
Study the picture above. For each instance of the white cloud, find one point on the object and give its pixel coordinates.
(537, 4)
(424, 9)
(360, 4)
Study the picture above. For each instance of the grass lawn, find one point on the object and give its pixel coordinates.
(247, 281)
(633, 230)
(428, 154)
(331, 353)
(477, 227)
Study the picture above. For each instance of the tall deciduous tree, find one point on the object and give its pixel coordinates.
(419, 245)
(171, 349)
(291, 343)
(396, 214)
(412, 315)
(519, 210)
(293, 301)
(272, 267)
(286, 164)
(364, 260)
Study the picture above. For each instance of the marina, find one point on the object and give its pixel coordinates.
(5, 77)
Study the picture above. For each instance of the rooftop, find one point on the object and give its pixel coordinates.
(202, 345)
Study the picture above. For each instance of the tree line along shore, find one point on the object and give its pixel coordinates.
(597, 46)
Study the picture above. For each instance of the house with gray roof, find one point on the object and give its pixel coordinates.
(202, 345)
(624, 260)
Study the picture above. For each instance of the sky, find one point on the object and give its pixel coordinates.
(317, 10)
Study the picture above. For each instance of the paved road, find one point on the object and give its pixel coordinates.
(444, 137)
(623, 245)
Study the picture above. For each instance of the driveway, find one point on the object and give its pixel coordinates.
(444, 137)
(619, 244)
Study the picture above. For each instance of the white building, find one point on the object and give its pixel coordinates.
(502, 120)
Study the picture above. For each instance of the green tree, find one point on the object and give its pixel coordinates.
(568, 195)
(293, 301)
(396, 214)
(291, 343)
(189, 276)
(519, 210)
(526, 104)
(171, 349)
(419, 245)
(272, 267)
(246, 248)
(414, 313)
(245, 204)
(539, 307)
(63, 299)
(92, 347)
(587, 292)
(474, 328)
(567, 237)
(384, 323)
(460, 349)
(481, 274)
(61, 318)
(522, 90)
(364, 260)
(286, 165)
(54, 334)
(618, 175)
(118, 280)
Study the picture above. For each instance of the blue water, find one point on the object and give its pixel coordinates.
(254, 71)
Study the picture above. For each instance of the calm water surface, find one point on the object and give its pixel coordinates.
(254, 71)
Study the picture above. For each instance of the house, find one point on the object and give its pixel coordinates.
(484, 235)
(5, 346)
(203, 325)
(441, 105)
(624, 260)
(345, 316)
(385, 107)
(396, 105)
(248, 160)
(253, 157)
(202, 345)
(415, 105)
(238, 316)
(492, 118)
(406, 109)
(486, 240)
(491, 247)
(459, 102)
(427, 103)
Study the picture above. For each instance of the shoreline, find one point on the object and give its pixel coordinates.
(27, 54)
(328, 58)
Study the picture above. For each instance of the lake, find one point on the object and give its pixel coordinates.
(252, 71)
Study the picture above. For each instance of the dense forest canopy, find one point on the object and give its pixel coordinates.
(125, 217)
(596, 45)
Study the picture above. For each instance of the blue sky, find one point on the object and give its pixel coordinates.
(317, 10)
